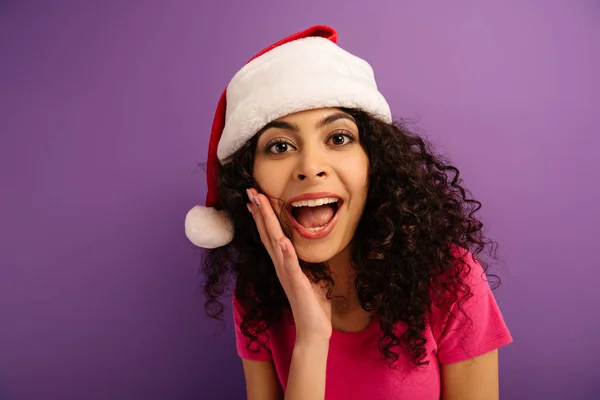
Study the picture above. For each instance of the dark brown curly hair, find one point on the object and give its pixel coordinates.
(416, 213)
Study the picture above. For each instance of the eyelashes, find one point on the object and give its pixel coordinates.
(282, 145)
(278, 146)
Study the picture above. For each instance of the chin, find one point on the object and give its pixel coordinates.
(316, 251)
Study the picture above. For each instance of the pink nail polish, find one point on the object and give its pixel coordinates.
(256, 201)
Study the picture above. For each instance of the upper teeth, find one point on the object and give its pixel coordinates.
(315, 202)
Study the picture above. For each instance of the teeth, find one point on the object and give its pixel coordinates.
(315, 202)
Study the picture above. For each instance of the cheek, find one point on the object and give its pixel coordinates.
(357, 174)
(270, 177)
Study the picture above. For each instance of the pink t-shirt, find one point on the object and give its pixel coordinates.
(354, 366)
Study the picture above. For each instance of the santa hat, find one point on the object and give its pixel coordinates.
(304, 71)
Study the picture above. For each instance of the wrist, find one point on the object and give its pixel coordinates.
(310, 340)
(311, 346)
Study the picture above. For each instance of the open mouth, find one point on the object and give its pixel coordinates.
(314, 218)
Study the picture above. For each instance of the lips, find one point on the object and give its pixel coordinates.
(320, 232)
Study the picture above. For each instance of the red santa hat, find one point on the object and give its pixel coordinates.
(304, 71)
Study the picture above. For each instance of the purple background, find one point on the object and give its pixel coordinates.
(105, 110)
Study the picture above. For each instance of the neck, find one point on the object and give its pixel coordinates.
(344, 298)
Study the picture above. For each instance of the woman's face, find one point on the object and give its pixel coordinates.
(314, 163)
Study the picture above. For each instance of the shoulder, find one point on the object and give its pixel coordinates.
(463, 279)
(467, 322)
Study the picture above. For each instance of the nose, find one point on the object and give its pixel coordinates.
(311, 165)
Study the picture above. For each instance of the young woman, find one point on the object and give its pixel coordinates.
(353, 246)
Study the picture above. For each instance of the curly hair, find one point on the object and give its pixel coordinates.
(416, 213)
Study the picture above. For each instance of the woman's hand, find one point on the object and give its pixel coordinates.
(310, 306)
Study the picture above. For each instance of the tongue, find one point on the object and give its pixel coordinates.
(314, 217)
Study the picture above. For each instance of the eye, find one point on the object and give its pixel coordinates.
(341, 138)
(279, 146)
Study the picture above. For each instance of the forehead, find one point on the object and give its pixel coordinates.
(311, 120)
(308, 115)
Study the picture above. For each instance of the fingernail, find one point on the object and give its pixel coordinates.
(249, 194)
(256, 201)
(248, 207)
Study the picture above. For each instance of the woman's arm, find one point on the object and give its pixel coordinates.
(475, 379)
(261, 380)
(306, 380)
(308, 301)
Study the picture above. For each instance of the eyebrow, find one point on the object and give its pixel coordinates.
(330, 119)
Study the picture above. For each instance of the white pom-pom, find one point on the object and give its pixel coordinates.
(208, 228)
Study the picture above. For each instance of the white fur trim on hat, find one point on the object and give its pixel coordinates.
(300, 75)
(208, 228)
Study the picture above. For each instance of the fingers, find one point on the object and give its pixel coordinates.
(270, 219)
(290, 258)
(262, 230)
(280, 248)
